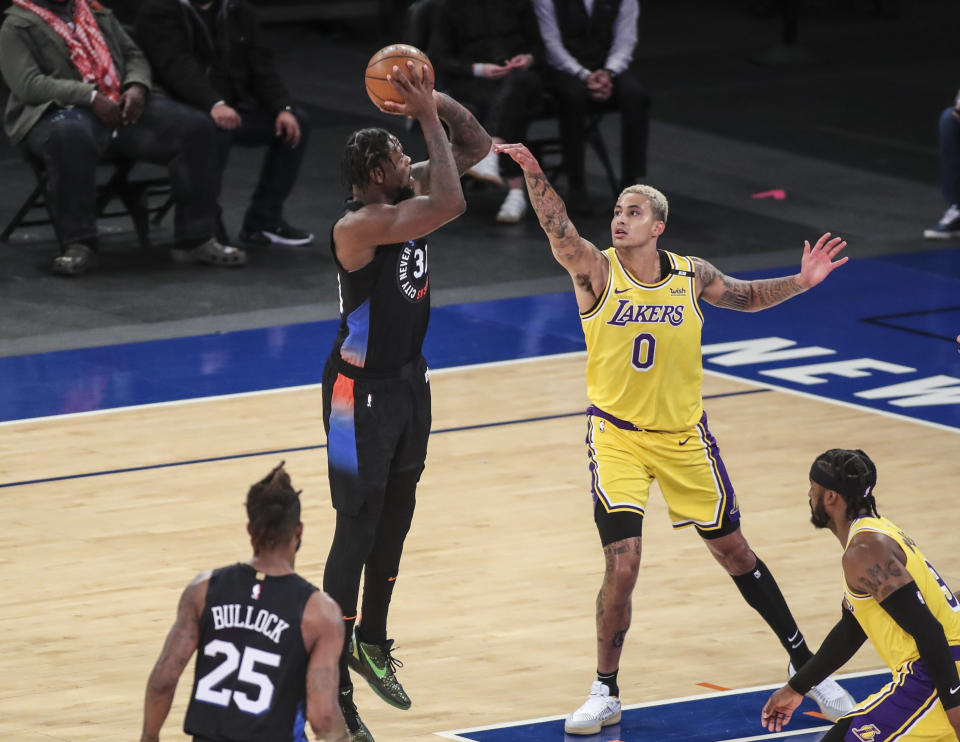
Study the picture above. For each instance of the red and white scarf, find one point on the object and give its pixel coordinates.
(88, 50)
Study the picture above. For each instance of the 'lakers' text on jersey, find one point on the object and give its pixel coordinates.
(643, 347)
(249, 683)
(895, 645)
(384, 306)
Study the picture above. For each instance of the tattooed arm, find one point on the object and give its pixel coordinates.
(873, 564)
(469, 141)
(722, 290)
(584, 262)
(178, 648)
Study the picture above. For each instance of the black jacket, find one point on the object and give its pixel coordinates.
(489, 31)
(201, 67)
(588, 38)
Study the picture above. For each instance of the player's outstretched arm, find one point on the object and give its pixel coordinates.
(177, 650)
(583, 261)
(721, 290)
(438, 178)
(469, 140)
(322, 630)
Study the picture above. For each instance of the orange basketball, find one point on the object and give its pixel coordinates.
(378, 87)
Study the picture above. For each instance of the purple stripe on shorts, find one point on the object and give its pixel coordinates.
(731, 509)
(892, 716)
(622, 424)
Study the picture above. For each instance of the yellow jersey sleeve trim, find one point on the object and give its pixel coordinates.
(602, 299)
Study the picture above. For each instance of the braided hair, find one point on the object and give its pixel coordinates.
(273, 509)
(365, 150)
(852, 474)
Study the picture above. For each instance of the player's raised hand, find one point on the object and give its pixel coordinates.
(416, 88)
(818, 261)
(779, 708)
(520, 155)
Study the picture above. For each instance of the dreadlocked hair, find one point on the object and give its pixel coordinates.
(852, 474)
(366, 149)
(273, 509)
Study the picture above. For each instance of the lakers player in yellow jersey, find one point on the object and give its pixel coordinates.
(639, 306)
(893, 596)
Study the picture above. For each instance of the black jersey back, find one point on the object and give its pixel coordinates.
(384, 306)
(249, 684)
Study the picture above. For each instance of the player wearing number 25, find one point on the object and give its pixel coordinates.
(893, 596)
(268, 640)
(639, 306)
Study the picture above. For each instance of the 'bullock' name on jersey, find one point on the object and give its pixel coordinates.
(233, 616)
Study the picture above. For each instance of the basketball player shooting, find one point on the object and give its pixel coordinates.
(639, 306)
(376, 393)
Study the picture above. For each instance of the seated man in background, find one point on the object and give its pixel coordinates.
(590, 46)
(487, 54)
(210, 54)
(79, 89)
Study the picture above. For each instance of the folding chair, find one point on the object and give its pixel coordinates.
(134, 194)
(549, 151)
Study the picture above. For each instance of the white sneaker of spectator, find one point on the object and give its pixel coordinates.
(487, 169)
(513, 208)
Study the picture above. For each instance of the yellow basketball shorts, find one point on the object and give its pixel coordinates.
(625, 460)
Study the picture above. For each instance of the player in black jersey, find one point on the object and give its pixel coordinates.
(268, 640)
(376, 395)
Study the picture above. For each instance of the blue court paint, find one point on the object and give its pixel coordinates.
(718, 717)
(882, 326)
(878, 333)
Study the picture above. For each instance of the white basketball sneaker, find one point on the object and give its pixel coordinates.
(600, 710)
(830, 696)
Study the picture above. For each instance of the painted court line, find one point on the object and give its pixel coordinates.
(276, 390)
(454, 733)
(778, 735)
(312, 447)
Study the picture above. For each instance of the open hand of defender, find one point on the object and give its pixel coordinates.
(416, 87)
(818, 261)
(520, 155)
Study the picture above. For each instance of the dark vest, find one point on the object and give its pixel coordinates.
(588, 38)
(249, 684)
(384, 306)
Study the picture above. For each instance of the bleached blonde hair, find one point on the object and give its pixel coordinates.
(658, 202)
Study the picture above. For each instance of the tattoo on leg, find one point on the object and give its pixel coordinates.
(618, 638)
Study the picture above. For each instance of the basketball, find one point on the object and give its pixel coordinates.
(378, 87)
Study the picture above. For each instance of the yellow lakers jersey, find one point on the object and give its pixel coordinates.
(895, 645)
(643, 347)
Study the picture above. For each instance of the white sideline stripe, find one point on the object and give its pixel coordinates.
(451, 734)
(829, 400)
(778, 735)
(260, 392)
(469, 367)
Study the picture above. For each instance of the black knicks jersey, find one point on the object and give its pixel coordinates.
(251, 663)
(384, 306)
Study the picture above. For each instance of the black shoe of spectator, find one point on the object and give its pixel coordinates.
(283, 234)
(76, 260)
(211, 252)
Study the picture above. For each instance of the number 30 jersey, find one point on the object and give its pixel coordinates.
(643, 346)
(384, 306)
(249, 682)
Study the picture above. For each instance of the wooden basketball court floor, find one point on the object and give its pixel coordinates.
(108, 515)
